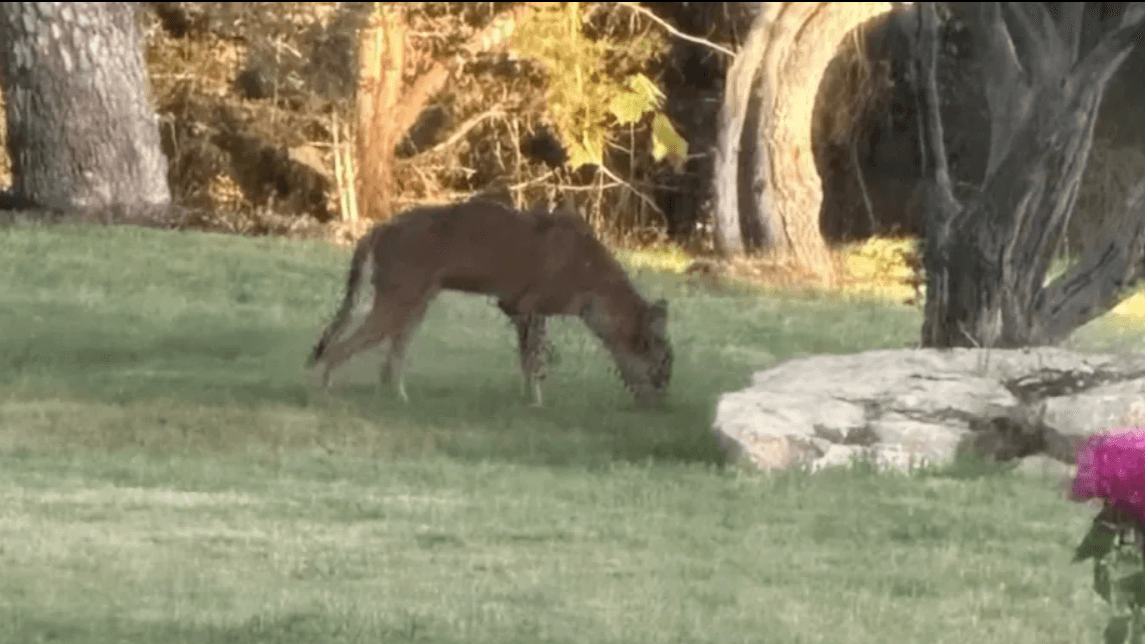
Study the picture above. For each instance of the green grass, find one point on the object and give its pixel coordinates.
(169, 473)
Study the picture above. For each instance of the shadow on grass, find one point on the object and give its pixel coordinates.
(586, 423)
(128, 338)
(265, 404)
(288, 627)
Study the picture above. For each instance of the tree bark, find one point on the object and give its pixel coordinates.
(387, 110)
(81, 133)
(382, 55)
(986, 258)
(768, 191)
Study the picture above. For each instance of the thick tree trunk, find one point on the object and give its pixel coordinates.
(382, 55)
(81, 133)
(768, 191)
(986, 259)
(736, 233)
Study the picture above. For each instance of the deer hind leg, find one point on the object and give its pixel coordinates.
(375, 328)
(392, 373)
(394, 369)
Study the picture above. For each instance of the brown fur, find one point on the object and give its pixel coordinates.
(536, 265)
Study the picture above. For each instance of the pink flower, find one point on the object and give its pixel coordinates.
(1111, 466)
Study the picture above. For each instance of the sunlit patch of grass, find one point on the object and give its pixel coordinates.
(873, 270)
(665, 258)
(1131, 307)
(877, 269)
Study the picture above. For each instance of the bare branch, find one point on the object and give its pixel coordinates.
(643, 197)
(1040, 19)
(1132, 16)
(1040, 38)
(676, 32)
(465, 127)
(1008, 92)
(1070, 26)
(1091, 288)
(1002, 47)
(928, 55)
(535, 180)
(741, 77)
(489, 37)
(1114, 45)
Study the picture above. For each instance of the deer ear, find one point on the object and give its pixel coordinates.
(658, 318)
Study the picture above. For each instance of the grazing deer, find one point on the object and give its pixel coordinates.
(536, 264)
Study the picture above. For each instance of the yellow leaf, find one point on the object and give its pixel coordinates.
(666, 142)
(594, 146)
(645, 89)
(627, 107)
(586, 152)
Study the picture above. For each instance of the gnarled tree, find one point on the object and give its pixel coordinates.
(768, 191)
(81, 133)
(986, 256)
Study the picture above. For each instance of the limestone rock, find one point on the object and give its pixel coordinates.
(1048, 469)
(904, 408)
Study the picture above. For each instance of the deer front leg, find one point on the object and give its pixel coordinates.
(533, 350)
(534, 353)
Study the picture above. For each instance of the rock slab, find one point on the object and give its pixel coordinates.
(912, 407)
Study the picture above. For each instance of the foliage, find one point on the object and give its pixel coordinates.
(583, 93)
(1118, 574)
(1111, 467)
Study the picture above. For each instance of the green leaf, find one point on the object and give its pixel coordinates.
(1134, 587)
(1117, 631)
(1097, 542)
(666, 142)
(1101, 582)
(1124, 561)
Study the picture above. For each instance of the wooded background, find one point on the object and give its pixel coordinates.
(255, 99)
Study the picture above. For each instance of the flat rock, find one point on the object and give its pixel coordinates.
(905, 408)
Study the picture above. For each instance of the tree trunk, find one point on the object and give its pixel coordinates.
(386, 112)
(81, 133)
(382, 55)
(986, 259)
(768, 191)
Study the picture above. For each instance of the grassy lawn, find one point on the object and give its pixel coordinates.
(168, 473)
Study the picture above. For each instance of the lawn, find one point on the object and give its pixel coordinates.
(169, 473)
